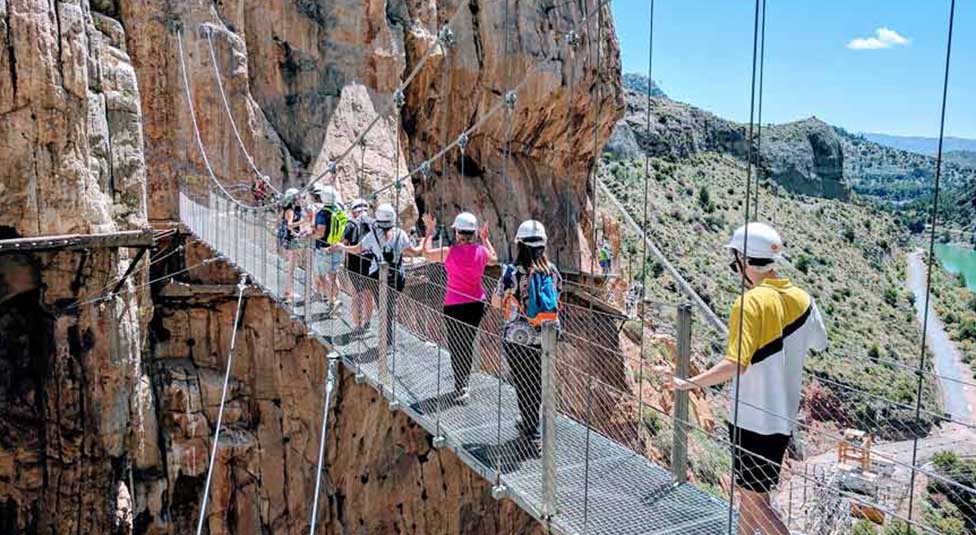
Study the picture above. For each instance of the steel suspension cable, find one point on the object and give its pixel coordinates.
(466, 135)
(742, 289)
(647, 176)
(931, 253)
(596, 139)
(762, 63)
(223, 399)
(196, 129)
(399, 91)
(230, 116)
(324, 435)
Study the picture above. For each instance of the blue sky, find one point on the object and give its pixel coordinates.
(889, 80)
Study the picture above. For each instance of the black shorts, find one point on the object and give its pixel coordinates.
(758, 458)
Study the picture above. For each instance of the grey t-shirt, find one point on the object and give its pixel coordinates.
(382, 248)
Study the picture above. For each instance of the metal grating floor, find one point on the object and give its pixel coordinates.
(617, 492)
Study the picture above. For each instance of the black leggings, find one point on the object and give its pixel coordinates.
(460, 338)
(526, 365)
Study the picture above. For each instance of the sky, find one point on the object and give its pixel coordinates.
(865, 65)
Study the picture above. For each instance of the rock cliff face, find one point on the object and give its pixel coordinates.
(72, 378)
(304, 79)
(106, 406)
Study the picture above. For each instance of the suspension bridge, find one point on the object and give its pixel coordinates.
(606, 464)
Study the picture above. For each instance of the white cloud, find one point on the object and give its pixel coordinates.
(884, 37)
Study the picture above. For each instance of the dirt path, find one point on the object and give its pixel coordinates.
(959, 399)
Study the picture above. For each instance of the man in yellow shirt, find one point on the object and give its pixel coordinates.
(772, 327)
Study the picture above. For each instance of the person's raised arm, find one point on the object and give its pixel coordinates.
(431, 253)
(492, 255)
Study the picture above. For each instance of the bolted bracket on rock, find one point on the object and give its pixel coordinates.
(425, 169)
(510, 99)
(332, 166)
(362, 142)
(462, 141)
(446, 37)
(399, 99)
(440, 441)
(499, 492)
(573, 40)
(359, 377)
(398, 185)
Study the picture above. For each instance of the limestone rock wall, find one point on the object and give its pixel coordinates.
(383, 474)
(305, 78)
(74, 395)
(107, 405)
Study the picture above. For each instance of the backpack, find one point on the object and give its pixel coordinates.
(360, 229)
(542, 302)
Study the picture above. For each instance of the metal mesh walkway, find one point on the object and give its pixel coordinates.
(600, 480)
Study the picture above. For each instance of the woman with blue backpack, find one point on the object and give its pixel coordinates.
(528, 293)
(464, 300)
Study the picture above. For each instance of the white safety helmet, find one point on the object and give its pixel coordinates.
(326, 193)
(385, 216)
(465, 222)
(359, 204)
(757, 240)
(531, 233)
(290, 195)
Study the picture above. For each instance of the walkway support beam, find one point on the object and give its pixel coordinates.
(682, 368)
(549, 400)
(384, 319)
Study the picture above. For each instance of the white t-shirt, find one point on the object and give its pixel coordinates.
(376, 243)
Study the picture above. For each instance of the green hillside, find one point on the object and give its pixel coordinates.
(850, 256)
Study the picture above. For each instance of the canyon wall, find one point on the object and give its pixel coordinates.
(74, 392)
(304, 78)
(108, 402)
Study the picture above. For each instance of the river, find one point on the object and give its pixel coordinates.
(958, 398)
(958, 260)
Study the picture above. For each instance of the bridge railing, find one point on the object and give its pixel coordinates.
(616, 452)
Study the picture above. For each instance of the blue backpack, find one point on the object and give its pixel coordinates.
(542, 303)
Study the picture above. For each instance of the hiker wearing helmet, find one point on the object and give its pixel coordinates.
(386, 243)
(772, 327)
(528, 293)
(289, 228)
(464, 301)
(357, 265)
(330, 224)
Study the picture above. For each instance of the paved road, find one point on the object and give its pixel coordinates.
(957, 397)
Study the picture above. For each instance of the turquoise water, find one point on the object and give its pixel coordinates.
(958, 260)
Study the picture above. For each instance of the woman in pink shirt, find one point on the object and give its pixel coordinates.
(464, 301)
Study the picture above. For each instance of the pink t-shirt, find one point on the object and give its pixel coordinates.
(465, 265)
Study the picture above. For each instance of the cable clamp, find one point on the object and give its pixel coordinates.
(462, 141)
(425, 169)
(398, 99)
(573, 40)
(332, 166)
(510, 99)
(446, 37)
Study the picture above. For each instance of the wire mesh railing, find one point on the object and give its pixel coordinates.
(578, 428)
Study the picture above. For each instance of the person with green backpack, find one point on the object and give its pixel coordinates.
(330, 224)
(528, 293)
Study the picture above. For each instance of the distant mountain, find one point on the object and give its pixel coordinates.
(963, 158)
(898, 175)
(805, 156)
(922, 145)
(638, 82)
